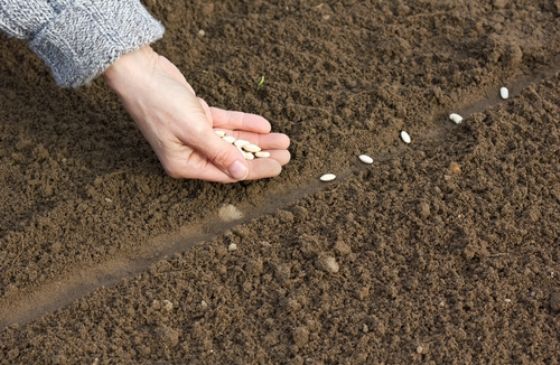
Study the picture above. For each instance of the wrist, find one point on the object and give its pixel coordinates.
(130, 69)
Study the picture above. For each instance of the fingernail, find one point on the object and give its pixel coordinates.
(238, 170)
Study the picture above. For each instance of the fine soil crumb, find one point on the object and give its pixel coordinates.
(555, 301)
(167, 305)
(168, 335)
(424, 209)
(300, 336)
(230, 213)
(327, 263)
(342, 248)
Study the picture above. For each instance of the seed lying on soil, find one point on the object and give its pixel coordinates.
(251, 147)
(366, 159)
(327, 177)
(232, 247)
(455, 118)
(504, 92)
(405, 137)
(262, 154)
(220, 133)
(229, 139)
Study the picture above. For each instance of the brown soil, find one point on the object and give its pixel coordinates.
(448, 249)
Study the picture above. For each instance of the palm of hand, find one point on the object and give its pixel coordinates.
(179, 127)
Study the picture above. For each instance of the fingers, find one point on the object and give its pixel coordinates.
(226, 157)
(281, 156)
(258, 169)
(238, 120)
(269, 141)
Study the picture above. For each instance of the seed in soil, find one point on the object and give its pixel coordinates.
(327, 177)
(504, 92)
(240, 143)
(229, 139)
(455, 118)
(220, 133)
(366, 159)
(405, 137)
(248, 155)
(232, 247)
(251, 147)
(262, 154)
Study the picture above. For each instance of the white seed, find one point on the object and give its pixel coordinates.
(201, 33)
(366, 159)
(327, 177)
(232, 247)
(405, 137)
(504, 92)
(240, 143)
(251, 147)
(220, 133)
(248, 155)
(229, 139)
(262, 154)
(203, 304)
(455, 118)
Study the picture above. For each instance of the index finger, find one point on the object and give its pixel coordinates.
(239, 121)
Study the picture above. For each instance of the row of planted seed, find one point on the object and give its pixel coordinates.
(405, 137)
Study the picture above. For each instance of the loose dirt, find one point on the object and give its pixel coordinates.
(444, 250)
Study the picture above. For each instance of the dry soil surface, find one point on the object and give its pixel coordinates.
(446, 250)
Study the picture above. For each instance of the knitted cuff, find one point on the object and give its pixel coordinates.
(84, 39)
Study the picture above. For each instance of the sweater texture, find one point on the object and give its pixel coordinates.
(79, 39)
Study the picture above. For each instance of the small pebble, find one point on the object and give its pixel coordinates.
(251, 147)
(366, 159)
(203, 304)
(167, 305)
(455, 118)
(327, 177)
(229, 139)
(220, 133)
(455, 168)
(229, 213)
(262, 154)
(232, 247)
(504, 92)
(201, 33)
(328, 263)
(240, 143)
(248, 155)
(405, 137)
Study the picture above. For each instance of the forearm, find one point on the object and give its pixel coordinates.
(79, 40)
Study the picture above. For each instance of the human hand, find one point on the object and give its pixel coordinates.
(179, 126)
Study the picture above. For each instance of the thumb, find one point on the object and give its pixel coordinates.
(223, 155)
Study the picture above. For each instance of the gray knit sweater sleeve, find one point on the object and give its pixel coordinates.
(79, 39)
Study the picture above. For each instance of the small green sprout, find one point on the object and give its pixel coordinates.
(260, 85)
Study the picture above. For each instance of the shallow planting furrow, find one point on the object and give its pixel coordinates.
(27, 305)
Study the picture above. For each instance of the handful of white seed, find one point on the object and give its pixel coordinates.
(249, 150)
